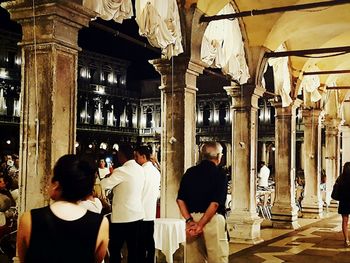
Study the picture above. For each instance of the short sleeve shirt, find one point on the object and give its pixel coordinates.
(201, 185)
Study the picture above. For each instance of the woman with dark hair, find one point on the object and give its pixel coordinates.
(64, 231)
(344, 200)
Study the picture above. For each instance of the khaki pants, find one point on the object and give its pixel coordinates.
(212, 245)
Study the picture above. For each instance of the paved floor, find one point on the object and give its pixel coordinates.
(315, 242)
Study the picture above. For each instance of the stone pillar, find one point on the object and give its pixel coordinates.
(49, 90)
(332, 156)
(345, 144)
(228, 154)
(312, 203)
(284, 211)
(244, 222)
(178, 144)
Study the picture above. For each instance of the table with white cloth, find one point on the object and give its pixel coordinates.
(169, 233)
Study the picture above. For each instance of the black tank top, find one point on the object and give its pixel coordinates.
(54, 240)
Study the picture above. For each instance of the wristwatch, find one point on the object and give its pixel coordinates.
(189, 219)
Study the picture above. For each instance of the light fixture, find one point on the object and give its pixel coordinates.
(8, 141)
(76, 145)
(116, 147)
(90, 146)
(103, 145)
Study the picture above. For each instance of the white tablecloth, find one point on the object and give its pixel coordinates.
(168, 234)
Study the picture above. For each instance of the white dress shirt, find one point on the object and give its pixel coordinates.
(150, 191)
(127, 183)
(92, 205)
(263, 176)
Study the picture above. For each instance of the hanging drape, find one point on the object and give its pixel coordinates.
(223, 47)
(118, 10)
(159, 21)
(311, 83)
(282, 78)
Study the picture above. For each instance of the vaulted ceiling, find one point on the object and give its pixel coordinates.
(314, 28)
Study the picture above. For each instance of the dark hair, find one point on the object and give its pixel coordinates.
(346, 169)
(144, 150)
(7, 180)
(261, 163)
(127, 151)
(76, 177)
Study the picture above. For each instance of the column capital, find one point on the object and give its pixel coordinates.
(311, 115)
(55, 21)
(181, 65)
(331, 123)
(277, 103)
(244, 95)
(177, 74)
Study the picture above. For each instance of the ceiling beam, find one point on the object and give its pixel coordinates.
(303, 52)
(326, 72)
(126, 37)
(256, 12)
(338, 87)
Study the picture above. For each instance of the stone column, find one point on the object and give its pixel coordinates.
(345, 144)
(284, 211)
(228, 154)
(244, 222)
(312, 203)
(49, 90)
(178, 144)
(332, 156)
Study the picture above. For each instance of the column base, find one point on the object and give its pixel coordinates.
(312, 211)
(333, 206)
(285, 217)
(244, 228)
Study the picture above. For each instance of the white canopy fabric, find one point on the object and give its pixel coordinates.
(282, 78)
(311, 83)
(159, 21)
(118, 10)
(222, 47)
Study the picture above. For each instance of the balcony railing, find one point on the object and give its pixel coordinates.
(213, 129)
(104, 128)
(5, 119)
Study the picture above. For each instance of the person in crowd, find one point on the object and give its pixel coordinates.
(127, 182)
(149, 199)
(344, 201)
(92, 203)
(6, 187)
(201, 200)
(64, 231)
(103, 170)
(263, 175)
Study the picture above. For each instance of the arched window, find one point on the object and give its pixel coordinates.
(149, 118)
(129, 116)
(222, 114)
(206, 115)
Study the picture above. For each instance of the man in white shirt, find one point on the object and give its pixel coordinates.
(263, 175)
(127, 183)
(150, 196)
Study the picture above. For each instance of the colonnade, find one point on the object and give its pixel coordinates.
(49, 112)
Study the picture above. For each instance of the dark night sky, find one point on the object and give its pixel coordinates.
(99, 41)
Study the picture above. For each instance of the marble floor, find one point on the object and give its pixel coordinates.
(315, 241)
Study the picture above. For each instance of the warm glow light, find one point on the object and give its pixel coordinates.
(76, 144)
(3, 73)
(116, 147)
(8, 142)
(103, 145)
(90, 146)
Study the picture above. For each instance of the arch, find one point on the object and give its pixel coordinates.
(206, 115)
(149, 118)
